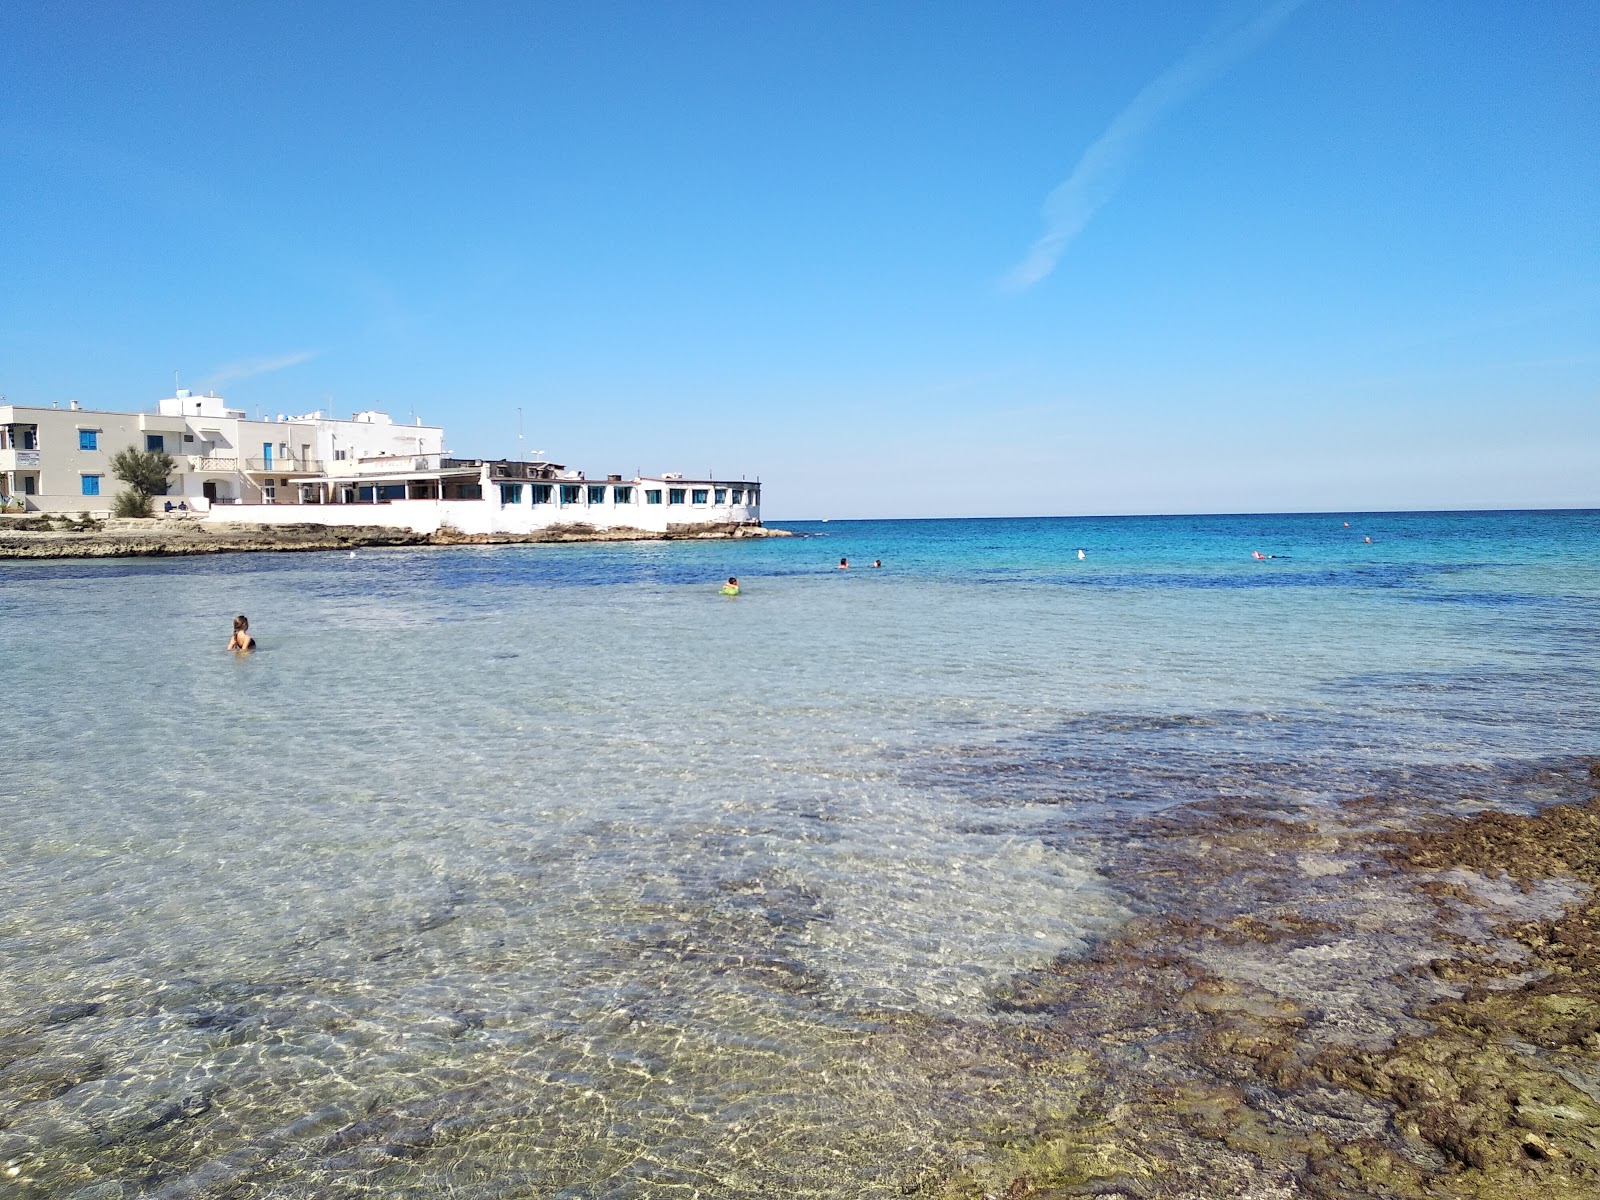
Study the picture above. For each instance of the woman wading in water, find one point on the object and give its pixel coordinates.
(241, 641)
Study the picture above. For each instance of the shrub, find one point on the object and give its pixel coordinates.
(132, 503)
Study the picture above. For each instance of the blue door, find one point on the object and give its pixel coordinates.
(266, 455)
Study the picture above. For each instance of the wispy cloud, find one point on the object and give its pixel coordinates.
(249, 368)
(1099, 172)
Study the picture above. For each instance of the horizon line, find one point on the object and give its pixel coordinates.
(1306, 512)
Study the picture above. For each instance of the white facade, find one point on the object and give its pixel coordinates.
(313, 469)
(227, 458)
(370, 435)
(499, 497)
(59, 459)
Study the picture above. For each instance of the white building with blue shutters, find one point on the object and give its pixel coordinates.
(317, 469)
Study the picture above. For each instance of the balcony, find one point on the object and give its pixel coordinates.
(19, 460)
(206, 462)
(287, 465)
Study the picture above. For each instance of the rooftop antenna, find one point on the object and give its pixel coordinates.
(174, 381)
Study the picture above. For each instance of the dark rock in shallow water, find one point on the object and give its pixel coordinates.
(60, 1014)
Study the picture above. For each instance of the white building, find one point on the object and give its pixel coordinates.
(429, 493)
(311, 468)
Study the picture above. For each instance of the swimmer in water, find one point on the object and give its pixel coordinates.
(731, 588)
(241, 641)
(877, 562)
(1082, 556)
(844, 564)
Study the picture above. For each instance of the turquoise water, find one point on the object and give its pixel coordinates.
(545, 870)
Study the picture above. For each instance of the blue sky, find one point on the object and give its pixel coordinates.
(897, 259)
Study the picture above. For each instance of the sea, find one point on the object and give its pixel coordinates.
(547, 870)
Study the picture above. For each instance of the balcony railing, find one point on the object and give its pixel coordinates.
(207, 462)
(287, 465)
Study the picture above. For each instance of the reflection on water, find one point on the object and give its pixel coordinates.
(547, 871)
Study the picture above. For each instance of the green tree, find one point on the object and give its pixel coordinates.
(146, 472)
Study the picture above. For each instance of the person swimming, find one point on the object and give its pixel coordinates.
(844, 564)
(1082, 556)
(877, 562)
(731, 588)
(241, 641)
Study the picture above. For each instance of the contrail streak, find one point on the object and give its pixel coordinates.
(1099, 172)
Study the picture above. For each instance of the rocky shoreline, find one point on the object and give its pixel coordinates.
(132, 538)
(1373, 1003)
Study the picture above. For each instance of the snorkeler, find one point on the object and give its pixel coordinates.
(731, 588)
(241, 641)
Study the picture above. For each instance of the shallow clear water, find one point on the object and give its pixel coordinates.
(546, 870)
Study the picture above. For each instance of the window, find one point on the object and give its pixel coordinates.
(156, 442)
(701, 495)
(91, 484)
(722, 495)
(30, 437)
(622, 495)
(510, 493)
(270, 491)
(541, 493)
(597, 495)
(88, 439)
(188, 437)
(652, 495)
(338, 455)
(753, 496)
(675, 495)
(392, 491)
(571, 493)
(738, 495)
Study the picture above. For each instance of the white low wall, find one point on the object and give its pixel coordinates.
(486, 516)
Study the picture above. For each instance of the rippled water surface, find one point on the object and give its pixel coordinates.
(547, 871)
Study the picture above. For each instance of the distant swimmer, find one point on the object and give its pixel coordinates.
(1082, 556)
(1260, 557)
(731, 588)
(877, 562)
(844, 564)
(1367, 540)
(1347, 524)
(241, 641)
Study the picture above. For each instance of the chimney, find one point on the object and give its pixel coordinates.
(74, 404)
